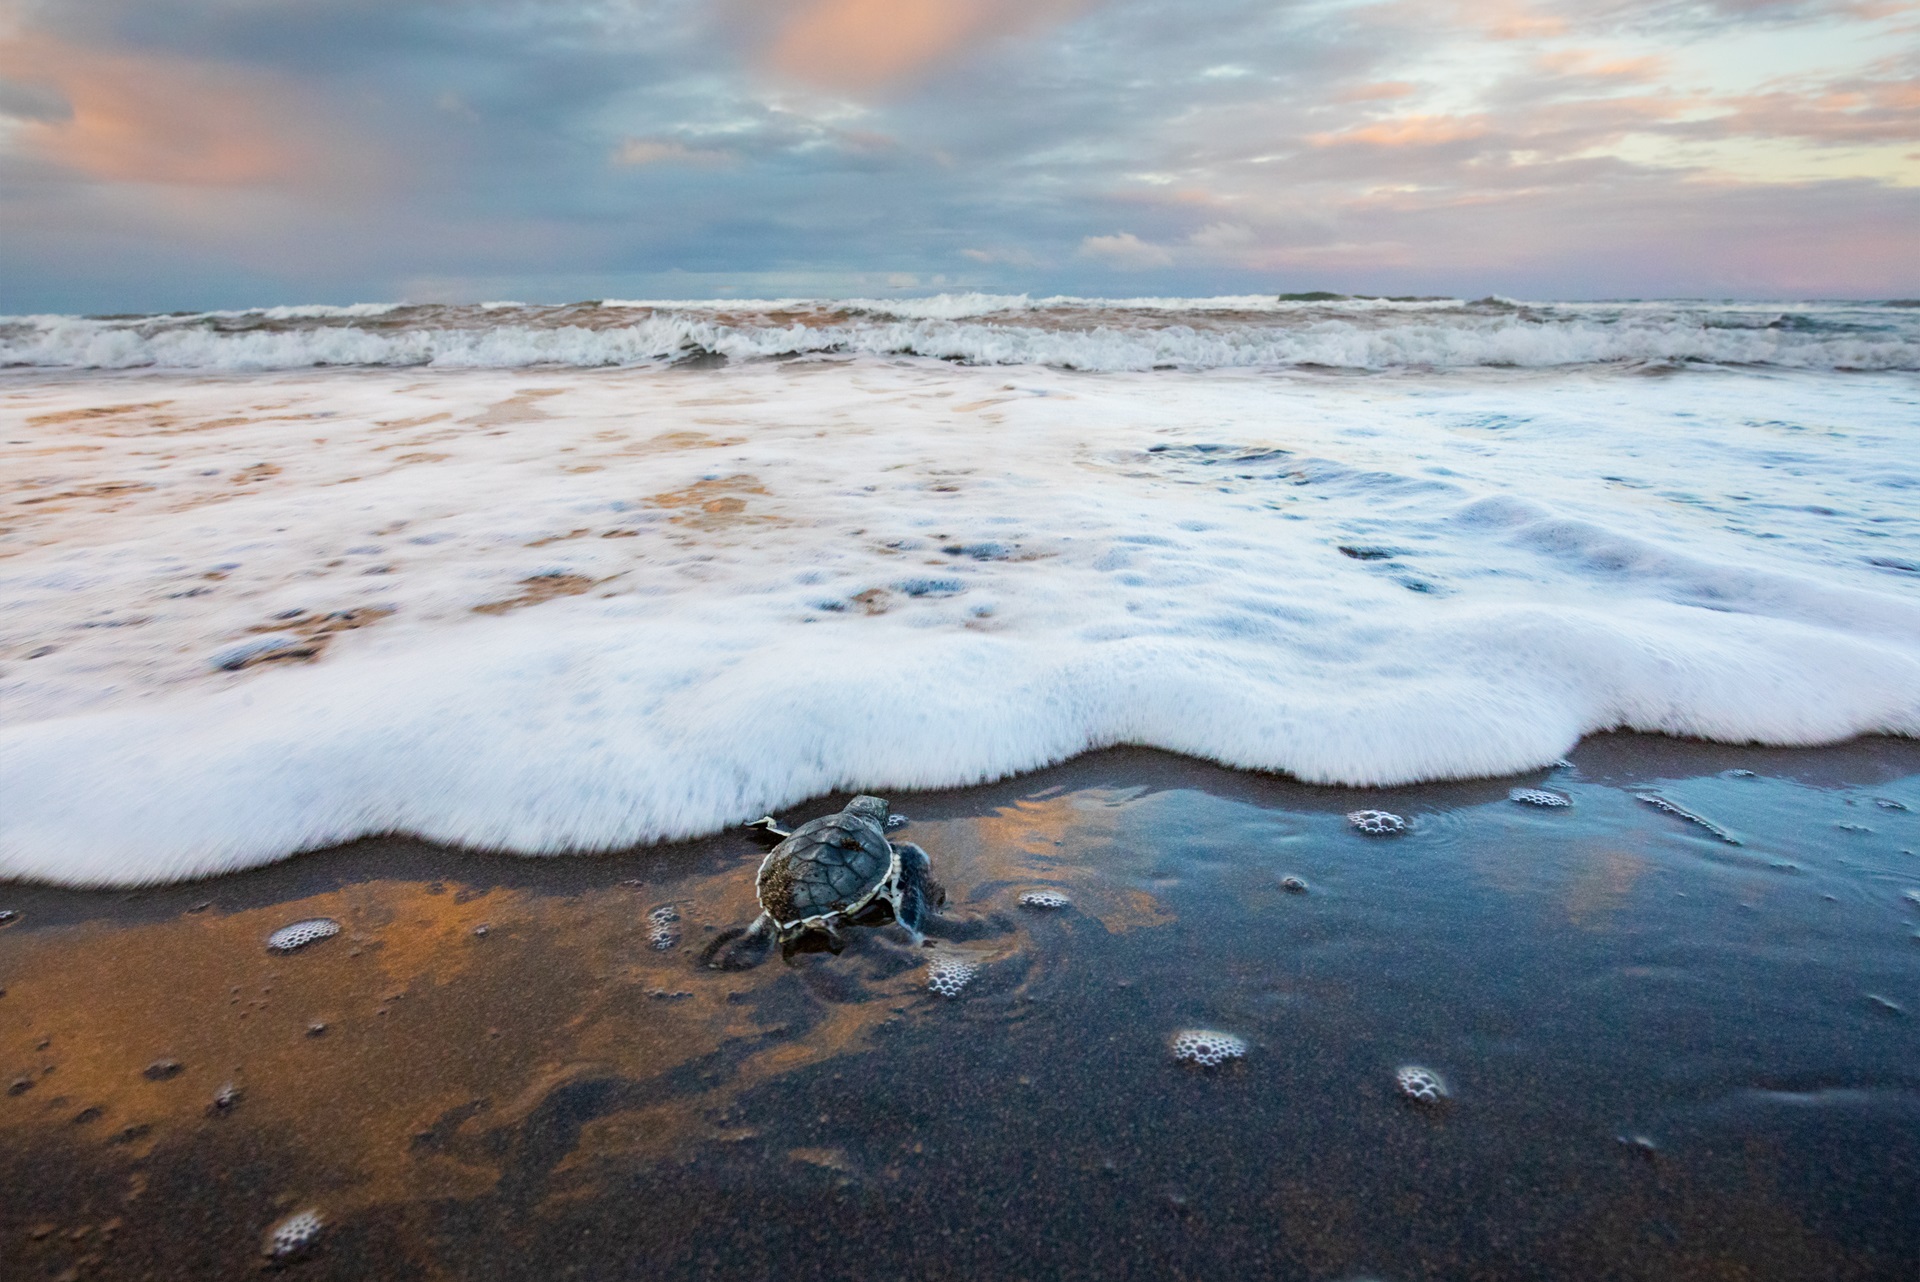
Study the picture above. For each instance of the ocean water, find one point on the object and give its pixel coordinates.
(542, 579)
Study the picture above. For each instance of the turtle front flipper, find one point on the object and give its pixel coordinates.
(915, 894)
(767, 831)
(741, 948)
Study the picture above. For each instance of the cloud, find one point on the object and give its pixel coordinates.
(1222, 236)
(210, 152)
(639, 152)
(152, 118)
(865, 44)
(1405, 131)
(1006, 257)
(1125, 251)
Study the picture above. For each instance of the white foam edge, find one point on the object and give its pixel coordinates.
(575, 731)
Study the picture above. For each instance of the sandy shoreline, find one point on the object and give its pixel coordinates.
(493, 1071)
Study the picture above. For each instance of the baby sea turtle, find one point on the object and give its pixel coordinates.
(829, 873)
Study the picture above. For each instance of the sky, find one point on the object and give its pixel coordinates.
(184, 154)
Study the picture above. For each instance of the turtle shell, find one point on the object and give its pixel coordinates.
(831, 865)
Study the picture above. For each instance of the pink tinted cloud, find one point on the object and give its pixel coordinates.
(867, 44)
(151, 118)
(1405, 131)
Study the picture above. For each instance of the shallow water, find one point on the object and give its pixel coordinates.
(243, 616)
(1669, 1055)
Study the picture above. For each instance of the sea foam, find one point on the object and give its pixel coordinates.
(595, 609)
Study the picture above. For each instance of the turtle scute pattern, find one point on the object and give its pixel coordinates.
(825, 868)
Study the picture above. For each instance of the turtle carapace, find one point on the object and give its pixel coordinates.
(829, 873)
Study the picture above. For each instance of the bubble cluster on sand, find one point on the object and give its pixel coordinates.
(301, 933)
(1421, 1085)
(1679, 811)
(1377, 823)
(163, 1070)
(1206, 1047)
(663, 927)
(225, 1098)
(1538, 797)
(1293, 885)
(293, 1235)
(897, 821)
(1045, 900)
(948, 975)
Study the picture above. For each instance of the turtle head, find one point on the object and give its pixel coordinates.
(874, 808)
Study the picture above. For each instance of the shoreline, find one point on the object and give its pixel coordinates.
(1624, 755)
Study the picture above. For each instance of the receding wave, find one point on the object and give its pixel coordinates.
(979, 329)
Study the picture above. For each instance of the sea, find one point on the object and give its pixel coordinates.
(1421, 789)
(544, 579)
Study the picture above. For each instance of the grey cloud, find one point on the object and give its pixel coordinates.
(539, 149)
(24, 100)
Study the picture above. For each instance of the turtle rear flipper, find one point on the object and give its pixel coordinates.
(917, 894)
(741, 948)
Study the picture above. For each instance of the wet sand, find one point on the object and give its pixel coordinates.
(1669, 1055)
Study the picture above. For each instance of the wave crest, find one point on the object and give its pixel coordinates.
(982, 329)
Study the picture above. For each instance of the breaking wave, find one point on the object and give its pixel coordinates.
(981, 329)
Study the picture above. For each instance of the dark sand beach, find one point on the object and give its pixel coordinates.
(1670, 1056)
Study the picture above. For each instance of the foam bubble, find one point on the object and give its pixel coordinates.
(1206, 1047)
(293, 1235)
(1378, 823)
(1045, 900)
(1539, 797)
(947, 975)
(301, 933)
(1421, 1085)
(1293, 885)
(663, 927)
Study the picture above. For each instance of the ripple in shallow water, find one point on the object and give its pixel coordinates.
(1679, 811)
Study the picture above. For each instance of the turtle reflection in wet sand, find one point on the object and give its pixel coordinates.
(829, 873)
